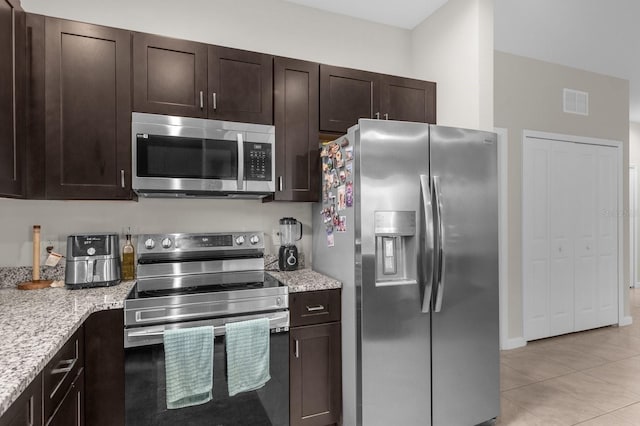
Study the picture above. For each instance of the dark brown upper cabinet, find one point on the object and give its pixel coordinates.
(169, 76)
(295, 99)
(87, 111)
(240, 85)
(12, 98)
(185, 78)
(346, 95)
(406, 99)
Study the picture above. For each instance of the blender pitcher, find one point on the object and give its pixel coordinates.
(290, 232)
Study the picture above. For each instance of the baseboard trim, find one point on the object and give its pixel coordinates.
(628, 320)
(516, 342)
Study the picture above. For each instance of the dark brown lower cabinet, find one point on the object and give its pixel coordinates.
(70, 412)
(27, 409)
(104, 368)
(82, 384)
(315, 364)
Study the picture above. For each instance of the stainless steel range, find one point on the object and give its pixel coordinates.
(191, 280)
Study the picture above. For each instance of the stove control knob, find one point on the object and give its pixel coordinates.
(166, 243)
(91, 251)
(278, 301)
(240, 240)
(149, 244)
(254, 239)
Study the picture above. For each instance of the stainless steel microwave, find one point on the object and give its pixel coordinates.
(194, 157)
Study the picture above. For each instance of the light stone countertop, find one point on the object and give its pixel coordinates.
(35, 324)
(305, 280)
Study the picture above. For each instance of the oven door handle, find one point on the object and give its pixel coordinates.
(278, 322)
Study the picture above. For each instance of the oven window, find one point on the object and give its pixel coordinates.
(180, 157)
(145, 391)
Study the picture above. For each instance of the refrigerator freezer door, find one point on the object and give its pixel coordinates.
(394, 352)
(465, 339)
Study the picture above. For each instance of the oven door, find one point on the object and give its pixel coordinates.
(145, 388)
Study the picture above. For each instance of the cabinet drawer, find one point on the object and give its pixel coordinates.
(314, 307)
(61, 371)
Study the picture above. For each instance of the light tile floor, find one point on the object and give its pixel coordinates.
(590, 378)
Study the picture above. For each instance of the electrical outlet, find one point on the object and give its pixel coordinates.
(275, 237)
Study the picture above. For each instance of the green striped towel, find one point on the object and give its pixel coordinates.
(188, 358)
(247, 355)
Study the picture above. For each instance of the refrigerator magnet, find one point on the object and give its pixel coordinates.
(334, 178)
(344, 142)
(343, 176)
(342, 197)
(338, 160)
(330, 239)
(342, 224)
(348, 153)
(349, 194)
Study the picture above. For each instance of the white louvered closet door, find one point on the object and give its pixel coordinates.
(570, 245)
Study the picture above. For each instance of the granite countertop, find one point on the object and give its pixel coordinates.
(305, 280)
(35, 324)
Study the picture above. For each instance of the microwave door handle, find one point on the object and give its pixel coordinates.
(240, 162)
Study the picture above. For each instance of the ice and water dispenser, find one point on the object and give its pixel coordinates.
(395, 233)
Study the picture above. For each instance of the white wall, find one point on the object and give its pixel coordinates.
(271, 26)
(528, 95)
(454, 47)
(459, 59)
(59, 219)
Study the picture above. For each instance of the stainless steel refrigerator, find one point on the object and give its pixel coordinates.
(408, 222)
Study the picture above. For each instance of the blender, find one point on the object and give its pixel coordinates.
(290, 232)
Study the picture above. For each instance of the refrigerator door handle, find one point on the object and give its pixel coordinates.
(440, 245)
(427, 257)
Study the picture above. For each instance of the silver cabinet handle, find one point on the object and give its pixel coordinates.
(386, 115)
(297, 349)
(122, 184)
(280, 184)
(440, 249)
(427, 258)
(240, 162)
(215, 103)
(377, 116)
(70, 363)
(315, 308)
(201, 100)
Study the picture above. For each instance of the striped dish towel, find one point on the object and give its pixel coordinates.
(188, 358)
(247, 345)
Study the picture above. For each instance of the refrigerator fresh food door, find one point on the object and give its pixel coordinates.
(394, 353)
(465, 329)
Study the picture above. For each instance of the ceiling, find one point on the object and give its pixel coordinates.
(586, 34)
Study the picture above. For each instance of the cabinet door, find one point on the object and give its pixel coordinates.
(240, 85)
(27, 409)
(405, 99)
(12, 98)
(104, 368)
(315, 375)
(169, 76)
(346, 95)
(296, 121)
(70, 412)
(87, 91)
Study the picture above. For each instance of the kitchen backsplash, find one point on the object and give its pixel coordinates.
(10, 276)
(59, 219)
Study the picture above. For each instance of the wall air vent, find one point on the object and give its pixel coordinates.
(575, 102)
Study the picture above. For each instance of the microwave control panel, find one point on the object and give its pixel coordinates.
(257, 161)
